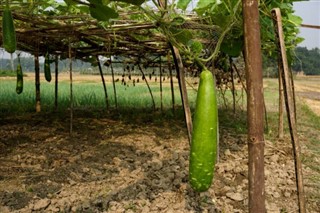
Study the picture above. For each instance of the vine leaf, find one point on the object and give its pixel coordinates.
(177, 21)
(297, 20)
(195, 47)
(181, 35)
(232, 48)
(134, 2)
(183, 4)
(102, 12)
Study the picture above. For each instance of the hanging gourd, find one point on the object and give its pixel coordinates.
(203, 151)
(8, 31)
(19, 87)
(47, 71)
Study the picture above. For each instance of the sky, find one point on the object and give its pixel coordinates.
(309, 11)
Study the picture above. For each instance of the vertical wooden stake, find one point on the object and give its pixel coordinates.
(233, 87)
(281, 100)
(183, 90)
(171, 81)
(289, 102)
(37, 81)
(71, 91)
(114, 84)
(160, 69)
(255, 108)
(56, 63)
(103, 82)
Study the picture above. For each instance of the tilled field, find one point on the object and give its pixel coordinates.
(111, 164)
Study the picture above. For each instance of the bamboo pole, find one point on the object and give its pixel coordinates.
(171, 82)
(289, 102)
(281, 101)
(233, 87)
(37, 81)
(71, 89)
(253, 61)
(160, 70)
(103, 82)
(114, 84)
(183, 90)
(56, 63)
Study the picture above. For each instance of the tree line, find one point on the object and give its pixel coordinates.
(308, 61)
(304, 60)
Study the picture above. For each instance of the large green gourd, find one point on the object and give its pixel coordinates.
(203, 151)
(8, 31)
(19, 87)
(47, 71)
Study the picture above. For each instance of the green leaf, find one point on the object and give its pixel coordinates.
(195, 47)
(297, 20)
(95, 2)
(134, 2)
(183, 4)
(178, 21)
(182, 36)
(102, 12)
(299, 40)
(232, 48)
(69, 2)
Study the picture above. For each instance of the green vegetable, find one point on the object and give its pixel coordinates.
(8, 31)
(19, 87)
(203, 151)
(47, 71)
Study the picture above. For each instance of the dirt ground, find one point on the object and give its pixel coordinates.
(308, 88)
(117, 163)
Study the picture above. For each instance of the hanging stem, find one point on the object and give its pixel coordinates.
(145, 79)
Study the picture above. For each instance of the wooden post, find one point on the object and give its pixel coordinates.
(103, 82)
(255, 108)
(160, 69)
(56, 63)
(171, 81)
(71, 90)
(233, 90)
(114, 84)
(281, 100)
(37, 81)
(289, 102)
(183, 90)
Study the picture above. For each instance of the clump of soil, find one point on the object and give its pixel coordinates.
(111, 164)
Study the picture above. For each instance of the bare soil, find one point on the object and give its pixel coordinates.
(131, 163)
(308, 88)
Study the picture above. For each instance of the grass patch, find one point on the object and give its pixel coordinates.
(86, 95)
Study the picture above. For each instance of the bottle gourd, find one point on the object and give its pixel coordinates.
(19, 87)
(8, 31)
(47, 71)
(203, 150)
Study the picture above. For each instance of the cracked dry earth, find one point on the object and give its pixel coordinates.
(111, 164)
